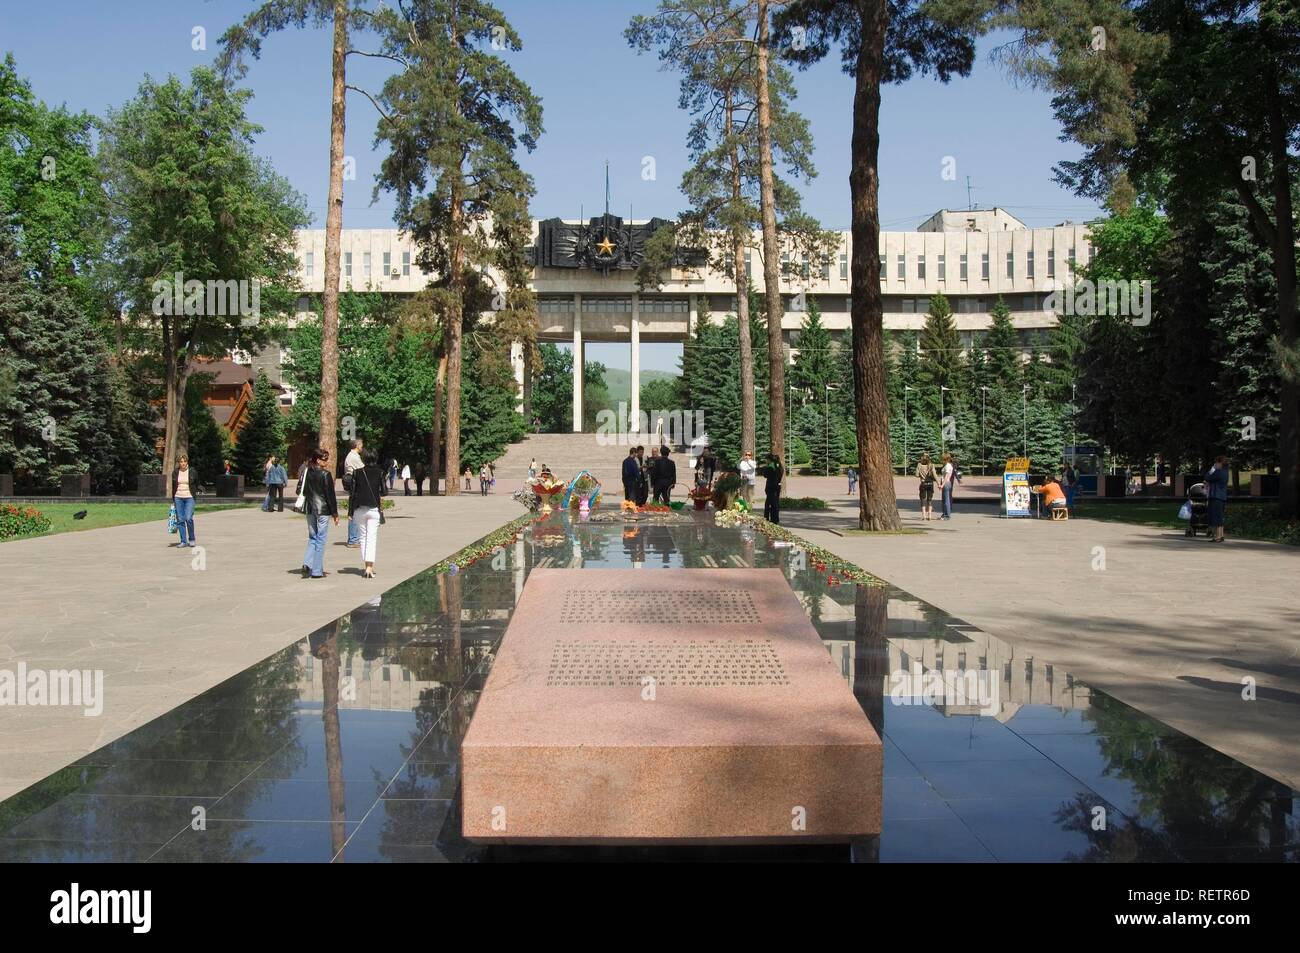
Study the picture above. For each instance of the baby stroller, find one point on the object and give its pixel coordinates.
(1198, 503)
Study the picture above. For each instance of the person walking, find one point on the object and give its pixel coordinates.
(321, 505)
(468, 477)
(276, 478)
(774, 474)
(749, 474)
(631, 470)
(852, 474)
(1216, 485)
(663, 475)
(928, 477)
(351, 464)
(185, 483)
(366, 507)
(484, 479)
(406, 479)
(532, 469)
(392, 474)
(419, 481)
(947, 476)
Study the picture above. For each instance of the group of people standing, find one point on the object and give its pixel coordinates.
(366, 484)
(658, 474)
(944, 477)
(487, 478)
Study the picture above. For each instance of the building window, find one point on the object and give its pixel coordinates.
(1011, 264)
(902, 268)
(943, 267)
(1051, 262)
(884, 268)
(406, 263)
(962, 268)
(665, 305)
(984, 266)
(1071, 258)
(844, 267)
(347, 264)
(1029, 265)
(748, 264)
(388, 263)
(920, 268)
(309, 263)
(804, 269)
(826, 267)
(785, 263)
(365, 264)
(606, 305)
(555, 305)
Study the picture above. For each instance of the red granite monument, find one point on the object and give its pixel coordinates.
(692, 706)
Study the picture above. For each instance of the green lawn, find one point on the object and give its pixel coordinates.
(100, 515)
(1244, 520)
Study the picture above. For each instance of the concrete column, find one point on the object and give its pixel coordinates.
(517, 363)
(692, 315)
(634, 422)
(577, 363)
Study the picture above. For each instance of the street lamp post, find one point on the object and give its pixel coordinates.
(942, 425)
(829, 388)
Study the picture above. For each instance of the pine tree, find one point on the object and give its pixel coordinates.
(206, 451)
(941, 357)
(261, 436)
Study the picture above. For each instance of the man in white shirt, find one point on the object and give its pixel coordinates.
(406, 479)
(749, 473)
(353, 462)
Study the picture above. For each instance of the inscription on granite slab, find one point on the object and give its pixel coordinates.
(658, 607)
(686, 663)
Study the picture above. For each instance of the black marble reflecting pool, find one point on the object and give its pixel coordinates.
(344, 746)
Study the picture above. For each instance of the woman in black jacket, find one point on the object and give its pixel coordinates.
(320, 505)
(365, 507)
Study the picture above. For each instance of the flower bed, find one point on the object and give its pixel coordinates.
(835, 569)
(22, 521)
(486, 546)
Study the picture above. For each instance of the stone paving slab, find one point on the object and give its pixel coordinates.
(127, 601)
(1170, 625)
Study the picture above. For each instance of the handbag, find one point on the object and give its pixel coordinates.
(173, 524)
(1185, 512)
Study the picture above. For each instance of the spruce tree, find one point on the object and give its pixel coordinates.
(814, 365)
(261, 436)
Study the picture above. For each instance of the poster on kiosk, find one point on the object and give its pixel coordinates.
(1015, 487)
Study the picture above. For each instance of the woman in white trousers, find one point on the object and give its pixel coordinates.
(365, 507)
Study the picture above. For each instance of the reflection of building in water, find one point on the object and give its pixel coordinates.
(379, 685)
(940, 643)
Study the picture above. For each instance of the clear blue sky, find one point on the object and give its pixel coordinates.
(601, 101)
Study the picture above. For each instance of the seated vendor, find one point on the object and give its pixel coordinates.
(1053, 495)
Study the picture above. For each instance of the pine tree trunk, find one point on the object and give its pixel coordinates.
(328, 437)
(771, 251)
(877, 507)
(1284, 260)
(435, 452)
(747, 438)
(456, 279)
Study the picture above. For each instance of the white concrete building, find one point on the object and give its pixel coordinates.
(973, 257)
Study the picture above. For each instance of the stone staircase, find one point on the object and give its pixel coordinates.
(565, 454)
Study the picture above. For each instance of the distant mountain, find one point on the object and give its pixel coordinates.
(619, 383)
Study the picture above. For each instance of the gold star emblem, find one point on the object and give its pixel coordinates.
(606, 246)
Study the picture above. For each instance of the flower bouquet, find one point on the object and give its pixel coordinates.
(547, 489)
(585, 491)
(700, 496)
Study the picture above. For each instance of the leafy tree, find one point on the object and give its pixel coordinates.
(662, 393)
(880, 43)
(553, 392)
(204, 436)
(454, 118)
(190, 199)
(261, 436)
(1171, 108)
(488, 407)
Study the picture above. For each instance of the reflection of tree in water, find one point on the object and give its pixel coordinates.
(871, 660)
(1195, 804)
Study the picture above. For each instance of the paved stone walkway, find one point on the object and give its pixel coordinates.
(127, 601)
(1170, 625)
